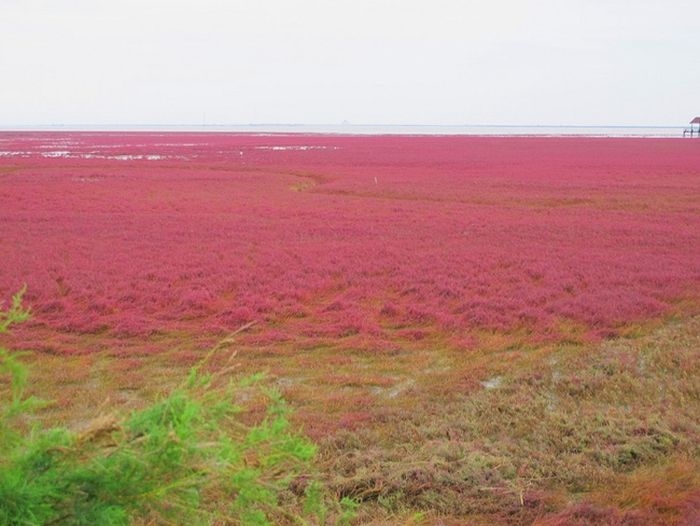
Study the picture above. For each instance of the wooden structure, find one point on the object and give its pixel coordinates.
(692, 129)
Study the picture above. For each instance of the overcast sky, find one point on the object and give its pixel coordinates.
(573, 62)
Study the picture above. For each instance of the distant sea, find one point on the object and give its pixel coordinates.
(363, 129)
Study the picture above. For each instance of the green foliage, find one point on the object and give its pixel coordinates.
(15, 313)
(186, 459)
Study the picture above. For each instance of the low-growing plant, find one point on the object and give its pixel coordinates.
(188, 458)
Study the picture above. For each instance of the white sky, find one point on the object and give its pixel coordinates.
(576, 62)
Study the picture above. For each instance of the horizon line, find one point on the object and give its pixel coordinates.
(127, 126)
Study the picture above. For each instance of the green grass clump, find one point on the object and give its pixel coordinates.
(192, 457)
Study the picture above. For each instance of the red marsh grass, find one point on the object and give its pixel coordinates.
(491, 330)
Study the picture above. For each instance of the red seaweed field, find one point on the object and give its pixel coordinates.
(474, 330)
(369, 239)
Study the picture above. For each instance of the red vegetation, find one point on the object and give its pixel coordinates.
(379, 238)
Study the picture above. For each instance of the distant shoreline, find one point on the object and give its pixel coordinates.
(361, 129)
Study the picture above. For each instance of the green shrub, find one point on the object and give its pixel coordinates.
(186, 459)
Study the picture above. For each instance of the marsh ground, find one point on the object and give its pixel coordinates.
(491, 330)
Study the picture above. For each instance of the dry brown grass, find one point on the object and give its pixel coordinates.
(548, 427)
(507, 433)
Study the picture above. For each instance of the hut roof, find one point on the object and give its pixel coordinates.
(696, 120)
